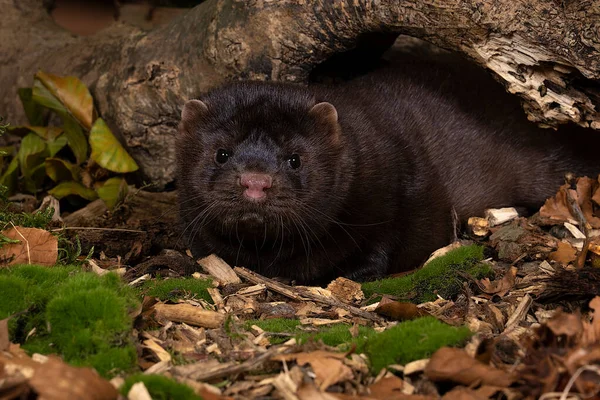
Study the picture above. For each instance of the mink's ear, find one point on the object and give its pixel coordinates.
(193, 111)
(326, 115)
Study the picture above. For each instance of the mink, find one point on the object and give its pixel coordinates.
(362, 179)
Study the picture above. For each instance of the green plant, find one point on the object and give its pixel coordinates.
(82, 158)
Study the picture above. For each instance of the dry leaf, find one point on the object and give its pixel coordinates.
(461, 393)
(308, 391)
(4, 338)
(400, 311)
(591, 331)
(499, 287)
(388, 388)
(36, 246)
(565, 253)
(328, 367)
(454, 365)
(557, 208)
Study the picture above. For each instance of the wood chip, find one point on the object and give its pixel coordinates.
(520, 313)
(219, 269)
(346, 290)
(478, 226)
(138, 392)
(498, 216)
(189, 314)
(417, 366)
(577, 234)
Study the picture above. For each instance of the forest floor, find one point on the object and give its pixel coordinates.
(507, 311)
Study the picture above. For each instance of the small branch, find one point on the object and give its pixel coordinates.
(576, 211)
(90, 228)
(26, 243)
(205, 374)
(300, 294)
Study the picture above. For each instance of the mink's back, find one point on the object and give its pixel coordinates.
(484, 150)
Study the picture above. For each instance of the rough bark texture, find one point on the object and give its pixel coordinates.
(547, 52)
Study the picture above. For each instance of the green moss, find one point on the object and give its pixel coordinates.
(177, 288)
(339, 335)
(78, 315)
(160, 388)
(412, 340)
(439, 277)
(13, 291)
(274, 325)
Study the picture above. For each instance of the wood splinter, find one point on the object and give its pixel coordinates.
(189, 314)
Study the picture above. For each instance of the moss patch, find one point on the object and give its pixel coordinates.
(160, 388)
(405, 342)
(412, 340)
(177, 288)
(78, 315)
(440, 276)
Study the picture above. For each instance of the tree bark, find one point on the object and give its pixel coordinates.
(545, 51)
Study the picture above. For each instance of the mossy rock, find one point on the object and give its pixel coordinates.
(442, 276)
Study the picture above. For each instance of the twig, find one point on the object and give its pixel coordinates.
(26, 243)
(82, 228)
(301, 294)
(576, 211)
(220, 371)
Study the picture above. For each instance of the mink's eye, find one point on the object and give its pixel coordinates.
(222, 156)
(294, 161)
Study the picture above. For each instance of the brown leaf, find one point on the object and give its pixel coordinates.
(462, 393)
(400, 311)
(309, 391)
(565, 324)
(454, 365)
(55, 380)
(591, 331)
(596, 196)
(557, 208)
(499, 287)
(565, 253)
(36, 246)
(389, 388)
(4, 338)
(328, 367)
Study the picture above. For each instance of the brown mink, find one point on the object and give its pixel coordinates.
(361, 179)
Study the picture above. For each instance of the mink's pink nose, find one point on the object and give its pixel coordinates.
(255, 184)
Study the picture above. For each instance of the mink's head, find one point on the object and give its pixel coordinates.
(260, 161)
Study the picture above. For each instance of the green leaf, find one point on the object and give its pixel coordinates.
(45, 132)
(113, 191)
(31, 154)
(42, 96)
(34, 181)
(60, 170)
(33, 111)
(107, 151)
(9, 178)
(75, 138)
(65, 95)
(73, 189)
(54, 146)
